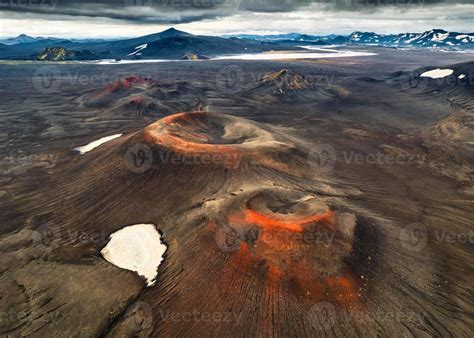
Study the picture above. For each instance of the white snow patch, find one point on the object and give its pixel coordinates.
(94, 144)
(138, 49)
(462, 36)
(412, 39)
(437, 73)
(136, 248)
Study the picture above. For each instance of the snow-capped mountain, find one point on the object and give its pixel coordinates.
(432, 38)
(435, 38)
(438, 38)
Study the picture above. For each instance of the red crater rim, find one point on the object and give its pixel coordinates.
(207, 133)
(271, 211)
(282, 222)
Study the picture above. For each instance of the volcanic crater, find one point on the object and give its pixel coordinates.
(135, 95)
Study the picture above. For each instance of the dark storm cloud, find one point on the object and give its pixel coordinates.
(182, 11)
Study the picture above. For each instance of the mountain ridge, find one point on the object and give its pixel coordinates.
(431, 38)
(173, 44)
(170, 44)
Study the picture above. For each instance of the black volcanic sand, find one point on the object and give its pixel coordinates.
(334, 199)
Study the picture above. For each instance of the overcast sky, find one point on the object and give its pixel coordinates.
(123, 18)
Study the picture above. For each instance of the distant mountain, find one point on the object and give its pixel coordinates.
(26, 39)
(435, 38)
(22, 38)
(289, 36)
(173, 44)
(170, 44)
(287, 86)
(62, 54)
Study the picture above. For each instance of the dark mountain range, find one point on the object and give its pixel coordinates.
(170, 44)
(22, 38)
(173, 44)
(282, 37)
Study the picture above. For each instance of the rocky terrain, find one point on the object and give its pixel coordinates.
(312, 198)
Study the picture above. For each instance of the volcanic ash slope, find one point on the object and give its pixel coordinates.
(255, 233)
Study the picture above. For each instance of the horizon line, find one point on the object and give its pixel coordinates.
(227, 34)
